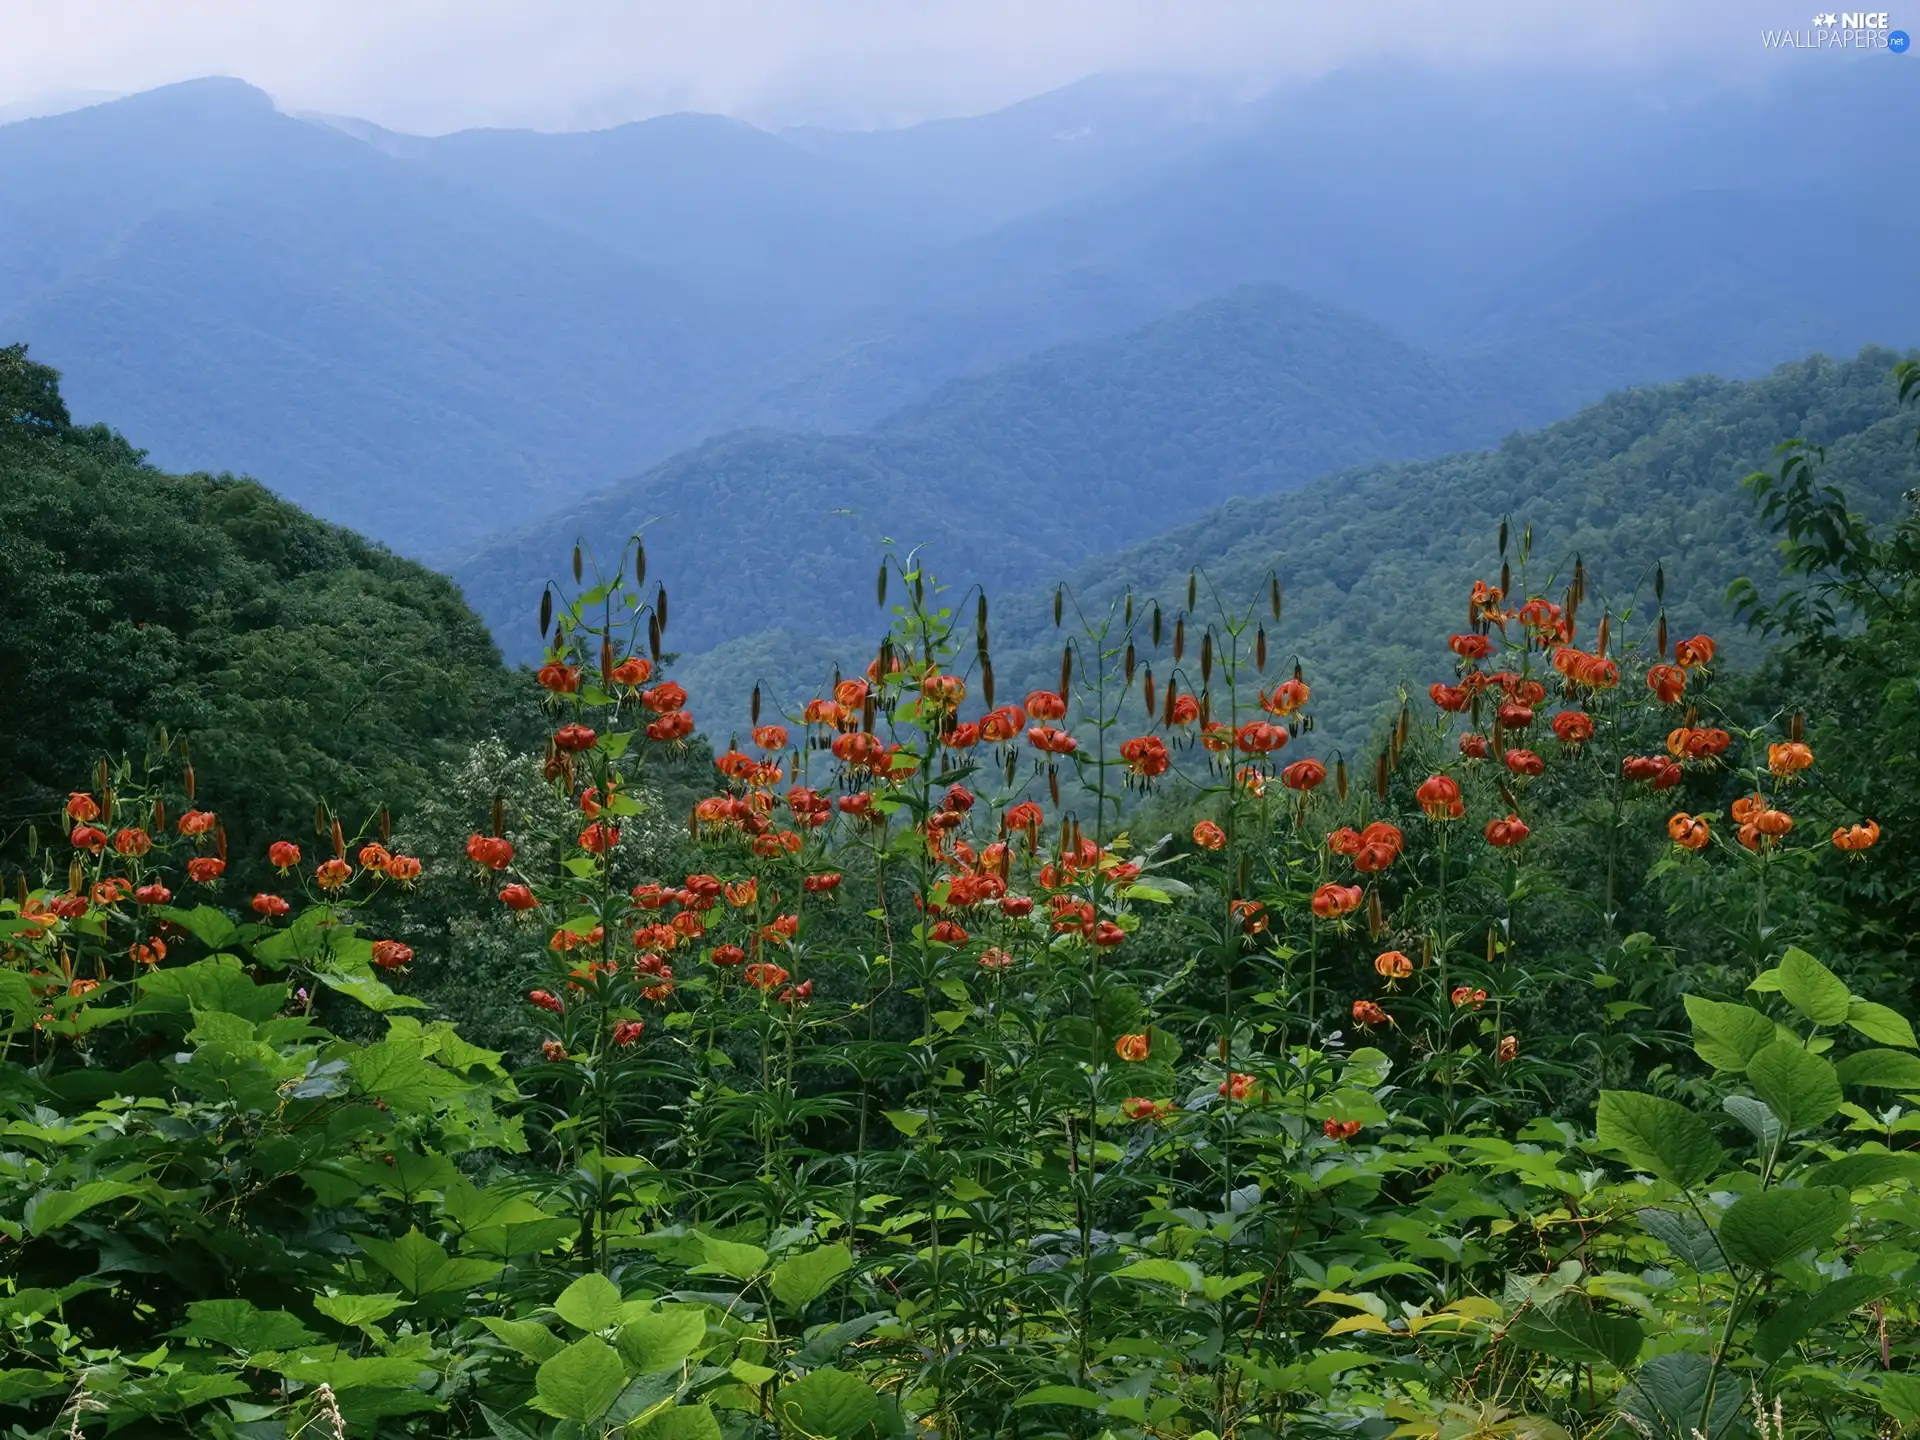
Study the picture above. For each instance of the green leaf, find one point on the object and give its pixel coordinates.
(52, 1208)
(828, 1403)
(207, 925)
(1881, 1070)
(422, 1267)
(810, 1274)
(1157, 1270)
(1659, 1136)
(369, 990)
(581, 1382)
(907, 1122)
(1801, 1088)
(240, 1327)
(1568, 1330)
(529, 1337)
(502, 1428)
(590, 1303)
(354, 1372)
(1802, 1315)
(1060, 1395)
(1669, 1398)
(682, 1422)
(1854, 1172)
(1727, 1036)
(1880, 1024)
(1760, 1120)
(1775, 1225)
(663, 1339)
(732, 1259)
(1687, 1236)
(1812, 989)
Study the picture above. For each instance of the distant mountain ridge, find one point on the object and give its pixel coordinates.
(438, 340)
(1017, 473)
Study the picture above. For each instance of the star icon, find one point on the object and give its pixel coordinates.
(1826, 19)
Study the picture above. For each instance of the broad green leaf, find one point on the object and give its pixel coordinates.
(1881, 1070)
(826, 1343)
(1669, 1399)
(422, 1267)
(748, 1373)
(207, 925)
(1804, 1314)
(354, 1372)
(1853, 1172)
(810, 1274)
(581, 1382)
(502, 1428)
(682, 1422)
(358, 1310)
(1659, 1136)
(590, 1303)
(1687, 1236)
(907, 1122)
(1759, 1119)
(1881, 1025)
(237, 1325)
(1775, 1225)
(529, 1337)
(215, 983)
(1568, 1330)
(1812, 989)
(1900, 1397)
(1726, 1036)
(663, 1339)
(732, 1259)
(369, 990)
(1802, 1089)
(53, 1208)
(1060, 1395)
(1158, 1270)
(830, 1404)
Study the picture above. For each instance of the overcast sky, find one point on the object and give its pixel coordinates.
(429, 66)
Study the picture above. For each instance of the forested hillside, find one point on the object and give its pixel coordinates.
(1368, 557)
(300, 663)
(1258, 391)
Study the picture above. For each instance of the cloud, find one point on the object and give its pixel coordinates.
(429, 66)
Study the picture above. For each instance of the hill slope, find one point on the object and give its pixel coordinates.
(1372, 560)
(303, 663)
(1010, 476)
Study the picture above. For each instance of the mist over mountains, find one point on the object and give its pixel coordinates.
(1145, 292)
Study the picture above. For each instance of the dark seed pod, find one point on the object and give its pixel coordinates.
(986, 682)
(319, 819)
(1206, 708)
(880, 586)
(1661, 640)
(1492, 947)
(1066, 669)
(220, 841)
(1013, 764)
(606, 660)
(1526, 541)
(639, 565)
(499, 815)
(867, 712)
(1503, 539)
(1053, 784)
(1172, 690)
(1380, 776)
(76, 877)
(1273, 596)
(1242, 873)
(919, 593)
(653, 637)
(339, 841)
(20, 888)
(159, 815)
(1260, 648)
(576, 563)
(754, 708)
(1156, 625)
(1797, 728)
(1340, 779)
(1400, 730)
(1146, 693)
(1128, 620)
(1506, 579)
(1193, 588)
(386, 825)
(693, 824)
(546, 611)
(1376, 922)
(660, 607)
(188, 777)
(1128, 662)
(1659, 582)
(1179, 638)
(1206, 658)
(1600, 645)
(1059, 602)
